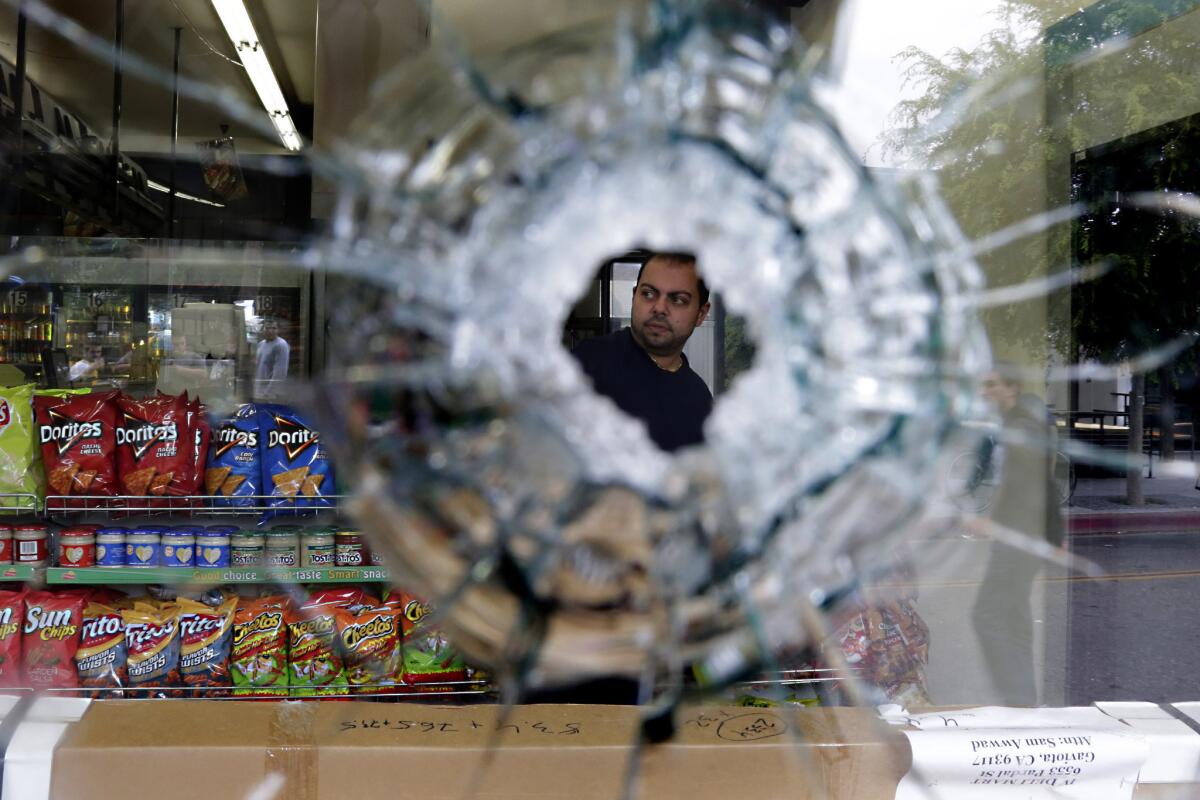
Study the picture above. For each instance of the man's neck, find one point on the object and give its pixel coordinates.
(671, 362)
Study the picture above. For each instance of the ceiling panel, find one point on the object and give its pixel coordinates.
(83, 80)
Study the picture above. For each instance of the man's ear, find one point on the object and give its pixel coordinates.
(704, 309)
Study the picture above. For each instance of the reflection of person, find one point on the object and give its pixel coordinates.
(1026, 501)
(271, 363)
(88, 366)
(642, 368)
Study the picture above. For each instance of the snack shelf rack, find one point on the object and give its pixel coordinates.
(190, 506)
(17, 504)
(20, 573)
(473, 690)
(124, 576)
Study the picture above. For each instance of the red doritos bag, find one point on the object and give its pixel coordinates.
(155, 450)
(52, 625)
(77, 434)
(12, 610)
(201, 434)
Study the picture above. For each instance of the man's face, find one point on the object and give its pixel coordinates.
(999, 392)
(270, 331)
(666, 306)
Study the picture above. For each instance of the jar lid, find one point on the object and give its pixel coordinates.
(347, 533)
(113, 530)
(144, 532)
(193, 529)
(318, 532)
(158, 529)
(248, 535)
(91, 526)
(287, 527)
(282, 535)
(77, 535)
(31, 526)
(177, 532)
(210, 534)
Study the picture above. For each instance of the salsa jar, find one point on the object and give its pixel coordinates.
(32, 541)
(77, 548)
(348, 549)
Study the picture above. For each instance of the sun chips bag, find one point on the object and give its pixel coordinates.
(51, 638)
(12, 613)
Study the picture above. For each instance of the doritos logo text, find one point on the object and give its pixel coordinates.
(65, 434)
(293, 437)
(229, 437)
(141, 436)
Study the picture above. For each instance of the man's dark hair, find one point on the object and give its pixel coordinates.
(676, 258)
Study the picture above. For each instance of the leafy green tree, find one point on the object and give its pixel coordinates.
(999, 124)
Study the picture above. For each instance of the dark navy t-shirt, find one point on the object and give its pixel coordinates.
(673, 405)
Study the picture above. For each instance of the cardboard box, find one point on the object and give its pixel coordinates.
(319, 750)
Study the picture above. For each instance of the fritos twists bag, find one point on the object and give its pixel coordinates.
(295, 467)
(77, 434)
(234, 470)
(152, 649)
(20, 460)
(371, 649)
(12, 612)
(258, 660)
(314, 660)
(205, 637)
(428, 655)
(51, 638)
(100, 659)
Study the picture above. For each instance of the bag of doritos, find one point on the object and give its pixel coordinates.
(371, 649)
(205, 637)
(314, 660)
(100, 659)
(20, 461)
(12, 612)
(201, 433)
(295, 467)
(77, 434)
(155, 451)
(51, 638)
(258, 659)
(234, 469)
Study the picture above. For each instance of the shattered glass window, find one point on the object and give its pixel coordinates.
(692, 355)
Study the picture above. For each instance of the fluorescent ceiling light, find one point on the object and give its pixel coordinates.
(241, 32)
(158, 187)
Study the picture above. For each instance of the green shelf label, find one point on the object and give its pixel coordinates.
(94, 576)
(17, 572)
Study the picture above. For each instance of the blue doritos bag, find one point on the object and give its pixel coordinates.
(296, 471)
(234, 473)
